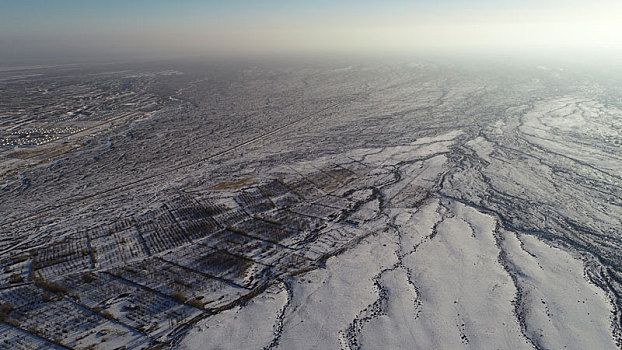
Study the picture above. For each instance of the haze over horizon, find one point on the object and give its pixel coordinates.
(67, 30)
(284, 175)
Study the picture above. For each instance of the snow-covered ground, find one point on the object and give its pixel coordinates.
(435, 274)
(378, 206)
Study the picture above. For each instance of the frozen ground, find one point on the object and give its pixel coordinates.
(411, 206)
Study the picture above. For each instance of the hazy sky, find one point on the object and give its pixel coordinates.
(75, 29)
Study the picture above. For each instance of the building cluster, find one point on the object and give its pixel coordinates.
(37, 111)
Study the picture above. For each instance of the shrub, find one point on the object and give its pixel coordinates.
(107, 314)
(196, 303)
(46, 297)
(88, 277)
(178, 296)
(50, 286)
(15, 278)
(5, 310)
(267, 219)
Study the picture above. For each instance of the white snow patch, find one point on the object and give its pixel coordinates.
(325, 301)
(244, 327)
(562, 310)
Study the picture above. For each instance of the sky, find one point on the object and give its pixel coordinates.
(66, 30)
